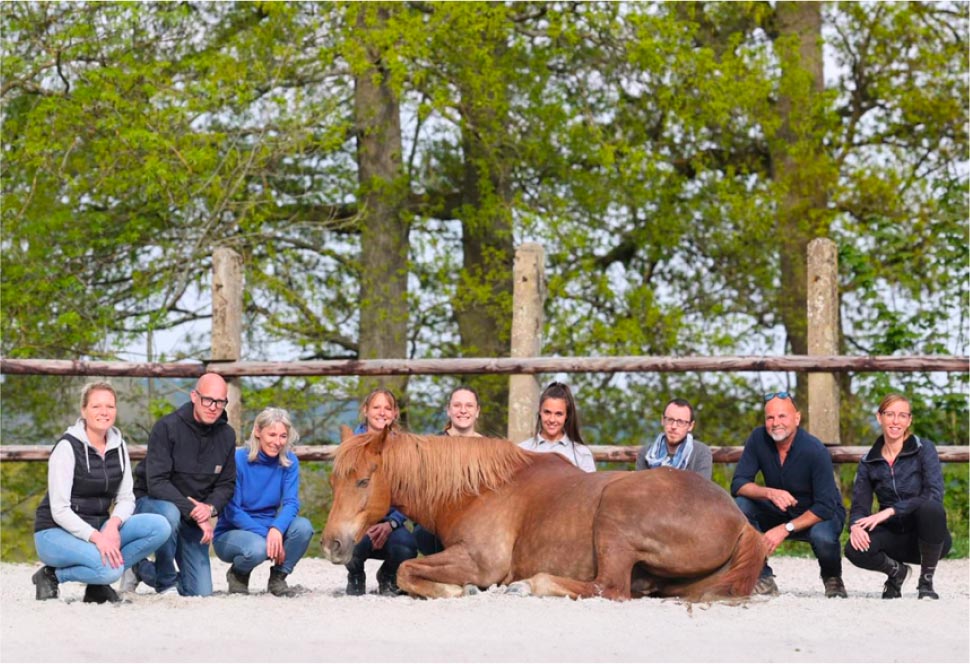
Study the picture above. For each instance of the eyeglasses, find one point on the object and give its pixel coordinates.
(778, 395)
(890, 415)
(209, 402)
(680, 424)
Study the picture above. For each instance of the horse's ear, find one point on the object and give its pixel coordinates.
(345, 432)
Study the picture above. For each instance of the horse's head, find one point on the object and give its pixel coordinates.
(361, 495)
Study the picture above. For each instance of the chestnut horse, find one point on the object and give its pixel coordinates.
(535, 521)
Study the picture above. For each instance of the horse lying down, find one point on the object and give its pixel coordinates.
(539, 525)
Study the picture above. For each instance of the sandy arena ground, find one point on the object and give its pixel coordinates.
(324, 625)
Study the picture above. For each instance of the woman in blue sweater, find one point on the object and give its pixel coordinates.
(260, 522)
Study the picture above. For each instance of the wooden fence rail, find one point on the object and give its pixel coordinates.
(493, 365)
(616, 453)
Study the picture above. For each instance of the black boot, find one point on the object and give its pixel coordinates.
(238, 582)
(356, 583)
(387, 583)
(929, 557)
(96, 594)
(896, 573)
(277, 583)
(46, 581)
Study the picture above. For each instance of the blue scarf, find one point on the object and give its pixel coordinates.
(657, 454)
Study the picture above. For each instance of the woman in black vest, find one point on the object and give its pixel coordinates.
(75, 536)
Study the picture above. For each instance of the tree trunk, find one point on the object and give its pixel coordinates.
(483, 301)
(384, 228)
(800, 168)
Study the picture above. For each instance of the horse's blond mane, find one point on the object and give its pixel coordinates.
(434, 471)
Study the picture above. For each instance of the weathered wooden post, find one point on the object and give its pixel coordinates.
(227, 307)
(528, 296)
(823, 339)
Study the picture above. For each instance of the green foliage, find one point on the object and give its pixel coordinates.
(672, 158)
(23, 485)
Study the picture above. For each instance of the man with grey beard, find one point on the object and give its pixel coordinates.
(799, 499)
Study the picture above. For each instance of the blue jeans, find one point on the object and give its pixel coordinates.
(77, 560)
(400, 546)
(823, 536)
(245, 550)
(183, 546)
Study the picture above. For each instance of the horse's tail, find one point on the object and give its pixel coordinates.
(735, 578)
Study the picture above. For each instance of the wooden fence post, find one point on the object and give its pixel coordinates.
(227, 306)
(528, 296)
(823, 339)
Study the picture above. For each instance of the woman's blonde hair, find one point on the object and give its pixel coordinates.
(94, 387)
(269, 417)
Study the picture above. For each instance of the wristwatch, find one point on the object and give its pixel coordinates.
(790, 527)
(213, 512)
(394, 524)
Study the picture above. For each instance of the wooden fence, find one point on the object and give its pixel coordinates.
(500, 365)
(612, 453)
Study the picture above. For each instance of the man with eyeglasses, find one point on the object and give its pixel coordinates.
(188, 476)
(676, 446)
(799, 499)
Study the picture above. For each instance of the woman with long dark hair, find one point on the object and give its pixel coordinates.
(558, 430)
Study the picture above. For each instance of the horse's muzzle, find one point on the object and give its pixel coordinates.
(337, 550)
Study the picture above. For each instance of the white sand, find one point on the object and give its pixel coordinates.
(323, 624)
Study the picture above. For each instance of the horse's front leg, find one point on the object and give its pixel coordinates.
(445, 574)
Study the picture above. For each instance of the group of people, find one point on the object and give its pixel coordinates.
(100, 521)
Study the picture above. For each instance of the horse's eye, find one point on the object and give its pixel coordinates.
(363, 483)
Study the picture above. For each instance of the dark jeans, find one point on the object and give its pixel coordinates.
(823, 536)
(400, 546)
(428, 543)
(899, 537)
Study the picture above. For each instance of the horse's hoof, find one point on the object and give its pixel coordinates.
(520, 588)
(468, 590)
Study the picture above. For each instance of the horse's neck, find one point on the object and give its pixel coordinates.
(420, 512)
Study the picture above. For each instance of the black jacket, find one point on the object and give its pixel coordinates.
(914, 478)
(188, 459)
(94, 489)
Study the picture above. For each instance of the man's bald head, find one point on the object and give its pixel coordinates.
(209, 398)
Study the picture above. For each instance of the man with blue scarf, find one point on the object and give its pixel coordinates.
(676, 446)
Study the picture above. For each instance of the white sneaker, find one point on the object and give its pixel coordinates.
(129, 581)
(171, 590)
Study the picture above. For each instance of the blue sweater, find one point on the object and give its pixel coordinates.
(807, 474)
(267, 495)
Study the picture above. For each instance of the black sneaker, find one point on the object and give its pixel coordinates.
(765, 586)
(387, 585)
(356, 584)
(834, 587)
(926, 591)
(97, 594)
(46, 581)
(894, 582)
